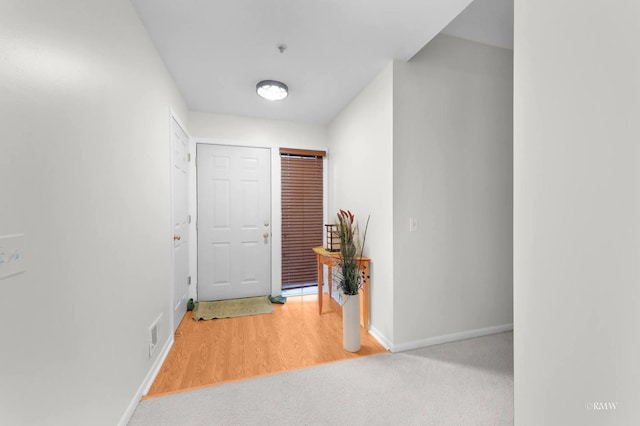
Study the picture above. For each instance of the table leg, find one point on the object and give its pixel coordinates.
(329, 278)
(319, 283)
(364, 320)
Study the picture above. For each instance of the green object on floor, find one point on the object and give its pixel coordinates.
(278, 299)
(190, 305)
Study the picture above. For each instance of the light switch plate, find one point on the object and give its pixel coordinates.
(12, 257)
(413, 224)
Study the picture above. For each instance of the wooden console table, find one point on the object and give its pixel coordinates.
(330, 258)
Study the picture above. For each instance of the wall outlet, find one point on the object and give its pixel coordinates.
(12, 257)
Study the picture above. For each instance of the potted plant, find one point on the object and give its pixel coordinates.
(349, 277)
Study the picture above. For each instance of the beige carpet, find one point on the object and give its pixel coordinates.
(232, 308)
(465, 383)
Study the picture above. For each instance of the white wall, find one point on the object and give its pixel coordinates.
(577, 212)
(257, 131)
(265, 133)
(85, 175)
(360, 164)
(452, 162)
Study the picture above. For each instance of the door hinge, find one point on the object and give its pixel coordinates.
(189, 219)
(189, 157)
(189, 280)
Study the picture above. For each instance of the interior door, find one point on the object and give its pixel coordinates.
(234, 222)
(179, 177)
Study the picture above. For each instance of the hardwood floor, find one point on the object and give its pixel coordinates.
(294, 336)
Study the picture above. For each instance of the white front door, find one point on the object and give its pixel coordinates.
(234, 222)
(180, 166)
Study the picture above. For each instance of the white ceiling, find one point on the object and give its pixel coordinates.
(218, 50)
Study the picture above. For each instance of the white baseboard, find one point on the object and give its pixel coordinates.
(451, 337)
(146, 384)
(380, 337)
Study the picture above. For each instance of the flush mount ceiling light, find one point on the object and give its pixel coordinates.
(272, 90)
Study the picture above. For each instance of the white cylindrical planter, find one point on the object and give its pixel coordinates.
(351, 322)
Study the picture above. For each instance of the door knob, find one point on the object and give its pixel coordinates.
(176, 237)
(265, 235)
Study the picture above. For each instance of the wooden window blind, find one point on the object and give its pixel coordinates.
(302, 213)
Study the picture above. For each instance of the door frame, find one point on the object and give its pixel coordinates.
(173, 116)
(276, 204)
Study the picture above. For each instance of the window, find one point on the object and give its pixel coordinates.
(302, 215)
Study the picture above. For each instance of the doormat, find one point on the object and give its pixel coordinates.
(232, 308)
